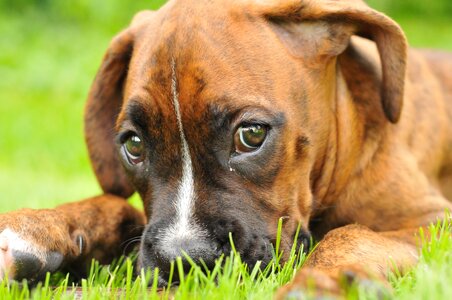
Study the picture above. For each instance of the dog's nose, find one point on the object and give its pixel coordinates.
(197, 249)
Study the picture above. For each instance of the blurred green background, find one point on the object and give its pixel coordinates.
(49, 53)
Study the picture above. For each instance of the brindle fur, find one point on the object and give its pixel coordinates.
(357, 139)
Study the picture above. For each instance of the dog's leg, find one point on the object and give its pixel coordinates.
(394, 206)
(354, 253)
(33, 242)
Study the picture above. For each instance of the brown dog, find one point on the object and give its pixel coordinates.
(228, 115)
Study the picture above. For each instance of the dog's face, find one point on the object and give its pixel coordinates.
(217, 129)
(210, 142)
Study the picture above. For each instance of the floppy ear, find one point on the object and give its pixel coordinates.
(318, 29)
(104, 103)
(102, 108)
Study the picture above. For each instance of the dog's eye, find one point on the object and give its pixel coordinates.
(133, 147)
(249, 138)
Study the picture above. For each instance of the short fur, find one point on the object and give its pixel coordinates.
(359, 151)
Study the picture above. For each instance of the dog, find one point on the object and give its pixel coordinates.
(226, 116)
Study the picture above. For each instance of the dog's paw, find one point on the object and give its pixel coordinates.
(313, 283)
(20, 259)
(310, 283)
(33, 242)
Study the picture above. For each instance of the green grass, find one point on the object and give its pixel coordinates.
(232, 279)
(432, 276)
(49, 53)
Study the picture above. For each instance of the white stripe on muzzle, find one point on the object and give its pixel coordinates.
(184, 227)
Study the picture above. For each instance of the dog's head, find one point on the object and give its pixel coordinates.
(219, 114)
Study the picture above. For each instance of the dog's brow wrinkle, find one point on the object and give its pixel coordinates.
(137, 114)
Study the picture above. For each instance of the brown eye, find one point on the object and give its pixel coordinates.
(133, 147)
(249, 138)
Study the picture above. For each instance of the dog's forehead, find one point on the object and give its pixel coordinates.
(215, 55)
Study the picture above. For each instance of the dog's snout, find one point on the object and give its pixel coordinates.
(203, 247)
(160, 251)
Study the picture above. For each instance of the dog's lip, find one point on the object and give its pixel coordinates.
(161, 282)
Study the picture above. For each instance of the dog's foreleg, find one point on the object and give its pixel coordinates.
(354, 253)
(33, 242)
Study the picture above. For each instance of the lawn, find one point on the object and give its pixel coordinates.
(49, 53)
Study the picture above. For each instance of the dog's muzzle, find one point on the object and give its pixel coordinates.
(158, 251)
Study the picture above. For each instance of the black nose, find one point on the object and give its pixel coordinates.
(159, 251)
(197, 249)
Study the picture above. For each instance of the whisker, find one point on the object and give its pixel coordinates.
(130, 242)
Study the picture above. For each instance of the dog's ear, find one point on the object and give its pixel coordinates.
(318, 29)
(102, 108)
(104, 103)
